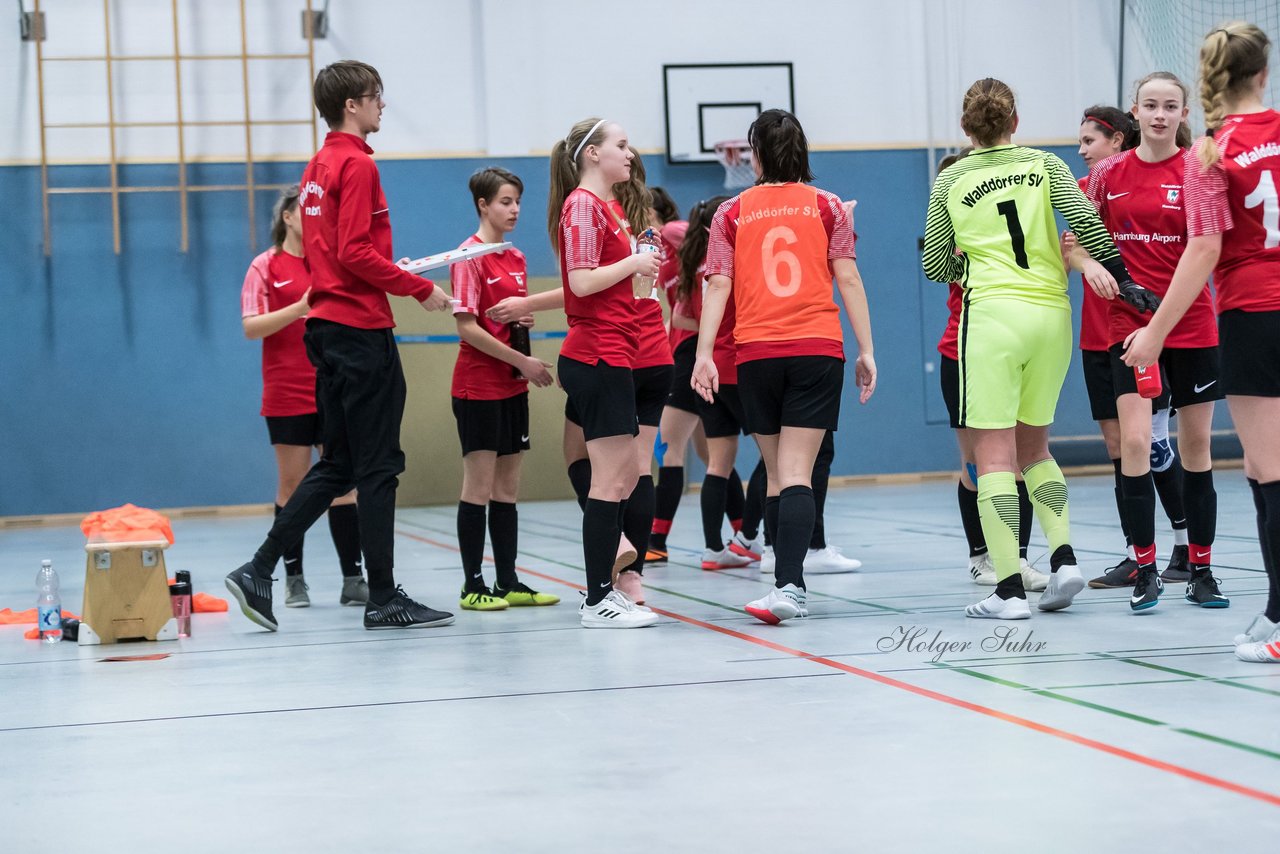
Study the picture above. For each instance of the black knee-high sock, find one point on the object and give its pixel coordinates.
(292, 557)
(770, 520)
(1264, 542)
(599, 546)
(1025, 514)
(821, 476)
(666, 502)
(1271, 494)
(1171, 487)
(580, 478)
(753, 510)
(1124, 524)
(344, 527)
(504, 524)
(969, 518)
(1139, 506)
(714, 489)
(735, 501)
(471, 545)
(1201, 502)
(796, 512)
(637, 518)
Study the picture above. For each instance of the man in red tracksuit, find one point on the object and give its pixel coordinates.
(360, 387)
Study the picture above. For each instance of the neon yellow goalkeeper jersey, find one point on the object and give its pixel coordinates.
(996, 206)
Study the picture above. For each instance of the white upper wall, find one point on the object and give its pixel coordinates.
(504, 77)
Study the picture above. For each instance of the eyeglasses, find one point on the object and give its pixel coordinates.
(375, 95)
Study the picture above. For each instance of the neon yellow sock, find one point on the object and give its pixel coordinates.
(998, 510)
(1048, 490)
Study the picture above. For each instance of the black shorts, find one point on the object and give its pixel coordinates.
(501, 426)
(790, 391)
(303, 430)
(653, 387)
(1250, 345)
(601, 398)
(1188, 375)
(1100, 385)
(949, 373)
(682, 395)
(723, 418)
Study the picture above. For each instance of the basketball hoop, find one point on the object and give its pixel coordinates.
(735, 156)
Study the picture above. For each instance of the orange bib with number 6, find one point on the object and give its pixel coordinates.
(782, 279)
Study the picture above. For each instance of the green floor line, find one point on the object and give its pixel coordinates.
(1052, 695)
(1203, 677)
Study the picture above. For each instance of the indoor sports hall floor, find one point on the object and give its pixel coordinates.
(520, 731)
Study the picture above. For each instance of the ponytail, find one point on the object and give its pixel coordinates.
(693, 251)
(1230, 57)
(565, 169)
(288, 201)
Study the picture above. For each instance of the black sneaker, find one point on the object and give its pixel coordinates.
(403, 613)
(1123, 574)
(1179, 568)
(254, 595)
(1202, 590)
(1146, 589)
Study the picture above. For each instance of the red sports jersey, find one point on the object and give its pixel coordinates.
(669, 276)
(603, 327)
(948, 344)
(725, 350)
(756, 231)
(478, 285)
(277, 280)
(654, 348)
(1093, 311)
(1141, 204)
(1240, 199)
(346, 232)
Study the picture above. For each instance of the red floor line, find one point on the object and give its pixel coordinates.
(1158, 764)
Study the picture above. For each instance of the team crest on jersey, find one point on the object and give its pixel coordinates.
(1172, 196)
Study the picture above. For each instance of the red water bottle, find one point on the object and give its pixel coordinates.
(1148, 380)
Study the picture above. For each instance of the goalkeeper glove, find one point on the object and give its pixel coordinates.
(1143, 300)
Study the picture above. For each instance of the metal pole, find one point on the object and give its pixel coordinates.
(248, 127)
(111, 128)
(182, 146)
(44, 151)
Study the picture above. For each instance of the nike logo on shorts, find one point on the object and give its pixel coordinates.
(281, 284)
(1111, 196)
(524, 438)
(1200, 388)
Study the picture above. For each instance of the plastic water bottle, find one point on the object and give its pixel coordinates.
(48, 603)
(642, 286)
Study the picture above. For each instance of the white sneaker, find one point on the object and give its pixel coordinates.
(995, 608)
(1266, 650)
(615, 611)
(743, 547)
(1258, 630)
(1062, 588)
(982, 570)
(723, 559)
(783, 603)
(1032, 579)
(766, 561)
(829, 561)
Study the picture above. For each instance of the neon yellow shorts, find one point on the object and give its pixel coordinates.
(1014, 357)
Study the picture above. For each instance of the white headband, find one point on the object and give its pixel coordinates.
(595, 127)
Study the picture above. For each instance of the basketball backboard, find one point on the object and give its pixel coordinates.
(710, 103)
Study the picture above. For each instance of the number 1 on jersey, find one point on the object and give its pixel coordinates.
(1009, 210)
(1267, 196)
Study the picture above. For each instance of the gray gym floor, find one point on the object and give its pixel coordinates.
(520, 731)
